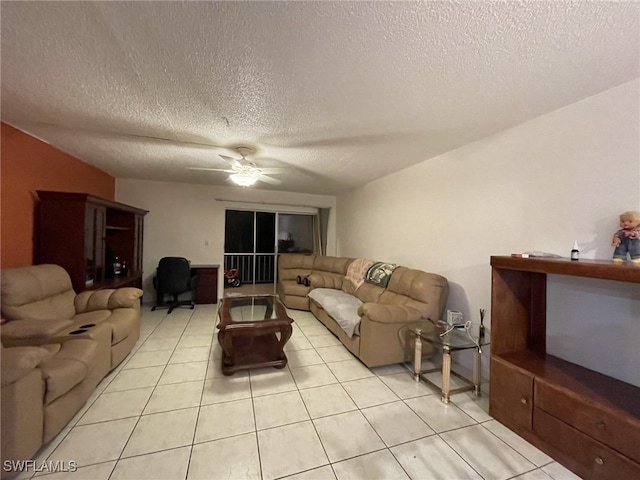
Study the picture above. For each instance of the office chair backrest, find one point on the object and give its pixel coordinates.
(174, 275)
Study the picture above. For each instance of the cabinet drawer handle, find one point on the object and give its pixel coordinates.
(523, 401)
(600, 425)
(599, 460)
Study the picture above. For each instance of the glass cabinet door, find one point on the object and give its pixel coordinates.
(94, 234)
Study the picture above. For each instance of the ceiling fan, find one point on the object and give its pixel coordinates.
(245, 172)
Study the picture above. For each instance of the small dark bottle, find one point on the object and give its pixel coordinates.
(575, 253)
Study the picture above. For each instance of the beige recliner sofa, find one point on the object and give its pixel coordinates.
(379, 336)
(41, 306)
(43, 387)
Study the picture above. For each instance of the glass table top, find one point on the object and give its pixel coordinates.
(456, 339)
(251, 308)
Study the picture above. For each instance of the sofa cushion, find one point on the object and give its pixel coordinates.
(68, 367)
(418, 290)
(332, 264)
(296, 261)
(107, 299)
(291, 287)
(341, 306)
(41, 292)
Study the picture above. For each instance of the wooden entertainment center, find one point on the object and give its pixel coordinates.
(80, 232)
(585, 420)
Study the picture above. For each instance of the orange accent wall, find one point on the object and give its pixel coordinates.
(26, 165)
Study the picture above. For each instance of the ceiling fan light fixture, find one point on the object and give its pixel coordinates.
(243, 179)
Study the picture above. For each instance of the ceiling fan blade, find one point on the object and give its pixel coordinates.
(150, 138)
(231, 161)
(272, 181)
(211, 169)
(275, 170)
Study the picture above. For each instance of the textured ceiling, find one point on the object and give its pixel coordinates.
(341, 92)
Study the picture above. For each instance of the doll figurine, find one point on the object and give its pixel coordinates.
(627, 239)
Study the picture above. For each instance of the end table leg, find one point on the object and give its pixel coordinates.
(446, 375)
(477, 372)
(417, 359)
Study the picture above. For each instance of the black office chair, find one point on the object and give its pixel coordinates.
(174, 277)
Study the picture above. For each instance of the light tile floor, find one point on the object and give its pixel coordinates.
(167, 412)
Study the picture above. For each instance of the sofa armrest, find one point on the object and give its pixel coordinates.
(386, 313)
(31, 331)
(17, 362)
(107, 299)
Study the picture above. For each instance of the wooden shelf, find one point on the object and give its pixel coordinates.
(603, 269)
(585, 420)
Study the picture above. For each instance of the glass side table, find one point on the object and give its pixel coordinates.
(455, 340)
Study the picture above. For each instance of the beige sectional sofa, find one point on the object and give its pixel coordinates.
(379, 315)
(56, 347)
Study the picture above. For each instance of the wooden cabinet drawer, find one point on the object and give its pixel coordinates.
(511, 399)
(590, 458)
(604, 421)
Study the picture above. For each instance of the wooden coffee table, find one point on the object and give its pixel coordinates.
(253, 332)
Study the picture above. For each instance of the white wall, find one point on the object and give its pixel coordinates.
(562, 177)
(186, 220)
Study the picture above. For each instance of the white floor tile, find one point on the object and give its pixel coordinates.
(327, 400)
(162, 431)
(303, 358)
(183, 372)
(439, 416)
(350, 369)
(558, 472)
(297, 342)
(279, 409)
(486, 453)
(265, 381)
(381, 464)
(290, 449)
(518, 443)
(149, 359)
(369, 392)
(230, 458)
(313, 376)
(195, 340)
(396, 423)
(403, 385)
(537, 474)
(255, 424)
(173, 396)
(99, 471)
(476, 407)
(326, 340)
(431, 458)
(222, 420)
(193, 354)
(169, 464)
(154, 344)
(111, 406)
(135, 378)
(333, 431)
(95, 443)
(322, 473)
(226, 389)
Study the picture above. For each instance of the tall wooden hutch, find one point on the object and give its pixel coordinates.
(83, 233)
(587, 421)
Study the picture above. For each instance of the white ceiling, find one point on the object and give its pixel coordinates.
(342, 92)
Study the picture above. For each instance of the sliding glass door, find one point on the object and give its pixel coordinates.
(251, 243)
